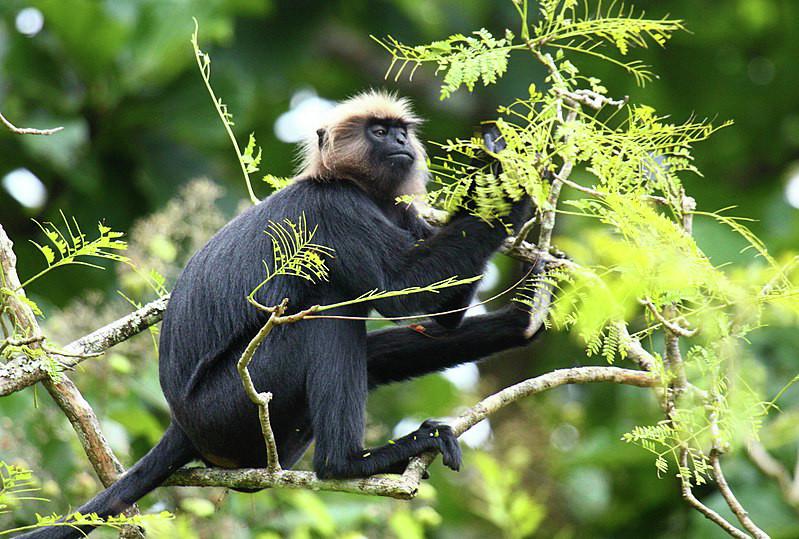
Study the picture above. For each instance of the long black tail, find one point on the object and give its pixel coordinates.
(173, 451)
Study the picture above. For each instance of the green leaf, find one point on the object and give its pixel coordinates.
(250, 159)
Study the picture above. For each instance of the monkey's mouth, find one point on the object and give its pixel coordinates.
(401, 155)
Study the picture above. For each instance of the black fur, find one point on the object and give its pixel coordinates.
(319, 371)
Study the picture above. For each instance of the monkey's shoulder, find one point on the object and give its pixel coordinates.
(331, 204)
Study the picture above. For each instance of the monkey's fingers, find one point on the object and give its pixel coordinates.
(449, 447)
(445, 441)
(492, 138)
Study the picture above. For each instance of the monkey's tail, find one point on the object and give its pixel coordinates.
(173, 451)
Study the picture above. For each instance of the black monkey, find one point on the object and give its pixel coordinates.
(320, 371)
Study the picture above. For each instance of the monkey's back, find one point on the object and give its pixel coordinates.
(209, 322)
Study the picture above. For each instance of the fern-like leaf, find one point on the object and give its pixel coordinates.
(71, 246)
(294, 252)
(464, 60)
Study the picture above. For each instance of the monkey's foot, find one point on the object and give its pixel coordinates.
(446, 442)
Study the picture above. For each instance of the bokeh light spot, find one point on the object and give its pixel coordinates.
(302, 119)
(792, 188)
(29, 21)
(25, 188)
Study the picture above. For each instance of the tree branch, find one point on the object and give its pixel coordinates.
(673, 327)
(406, 486)
(63, 391)
(732, 501)
(261, 399)
(22, 371)
(709, 513)
(771, 467)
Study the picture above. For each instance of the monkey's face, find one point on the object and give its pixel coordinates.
(391, 154)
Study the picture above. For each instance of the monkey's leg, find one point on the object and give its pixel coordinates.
(336, 392)
(405, 352)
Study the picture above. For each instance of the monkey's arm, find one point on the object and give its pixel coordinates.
(421, 229)
(400, 353)
(374, 253)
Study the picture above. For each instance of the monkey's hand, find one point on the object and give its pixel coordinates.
(538, 290)
(446, 441)
(494, 144)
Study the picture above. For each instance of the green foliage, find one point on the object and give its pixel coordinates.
(78, 519)
(464, 60)
(72, 246)
(639, 154)
(630, 163)
(294, 253)
(22, 298)
(588, 27)
(566, 25)
(277, 182)
(250, 158)
(501, 502)
(16, 483)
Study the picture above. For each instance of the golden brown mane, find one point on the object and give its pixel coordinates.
(343, 155)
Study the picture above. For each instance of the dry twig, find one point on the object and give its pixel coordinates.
(27, 130)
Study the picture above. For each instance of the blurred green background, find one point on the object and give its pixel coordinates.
(120, 76)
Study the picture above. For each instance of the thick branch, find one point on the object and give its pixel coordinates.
(674, 363)
(23, 371)
(531, 386)
(87, 427)
(261, 478)
(406, 486)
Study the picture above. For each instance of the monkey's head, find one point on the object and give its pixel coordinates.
(370, 140)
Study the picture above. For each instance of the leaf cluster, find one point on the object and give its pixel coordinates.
(71, 246)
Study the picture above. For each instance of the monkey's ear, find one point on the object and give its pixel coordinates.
(321, 133)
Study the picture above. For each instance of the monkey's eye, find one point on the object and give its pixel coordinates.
(379, 131)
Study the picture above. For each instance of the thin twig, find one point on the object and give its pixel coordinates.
(63, 353)
(592, 99)
(774, 469)
(20, 342)
(673, 327)
(261, 399)
(524, 231)
(582, 188)
(732, 501)
(27, 130)
(709, 513)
